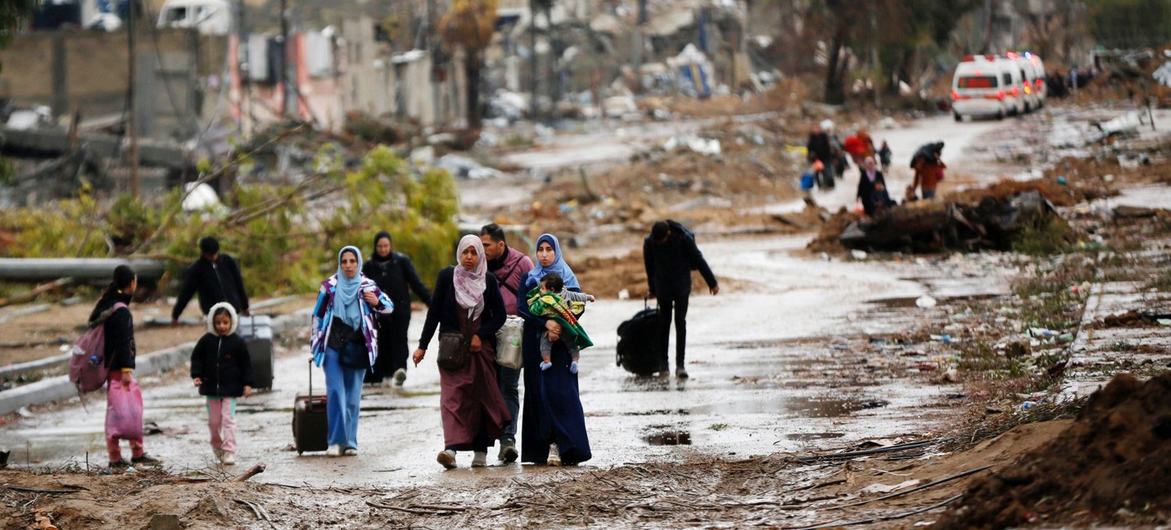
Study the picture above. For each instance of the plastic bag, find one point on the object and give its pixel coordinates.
(124, 410)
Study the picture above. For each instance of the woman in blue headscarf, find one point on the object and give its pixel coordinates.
(553, 430)
(345, 344)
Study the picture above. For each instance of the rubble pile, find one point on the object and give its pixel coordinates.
(1108, 467)
(696, 178)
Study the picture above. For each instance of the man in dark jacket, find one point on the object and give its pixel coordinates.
(216, 277)
(670, 254)
(820, 147)
(395, 275)
(510, 267)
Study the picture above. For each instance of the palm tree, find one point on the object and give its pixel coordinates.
(470, 25)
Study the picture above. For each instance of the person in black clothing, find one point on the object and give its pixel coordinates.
(395, 275)
(872, 188)
(670, 254)
(216, 277)
(820, 148)
(113, 313)
(222, 370)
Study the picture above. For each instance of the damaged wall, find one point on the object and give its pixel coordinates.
(87, 71)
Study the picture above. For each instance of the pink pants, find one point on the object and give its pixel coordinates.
(221, 421)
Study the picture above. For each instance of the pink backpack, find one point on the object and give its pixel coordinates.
(87, 366)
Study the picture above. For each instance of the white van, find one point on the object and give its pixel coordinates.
(986, 85)
(1040, 89)
(1032, 80)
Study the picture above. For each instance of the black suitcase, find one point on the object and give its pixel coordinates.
(256, 330)
(310, 424)
(640, 346)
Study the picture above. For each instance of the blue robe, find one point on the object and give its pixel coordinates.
(552, 405)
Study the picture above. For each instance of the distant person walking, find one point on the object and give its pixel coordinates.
(819, 148)
(216, 277)
(123, 396)
(884, 155)
(553, 431)
(345, 345)
(395, 275)
(467, 303)
(510, 267)
(670, 254)
(928, 165)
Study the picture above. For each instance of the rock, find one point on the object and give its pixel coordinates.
(165, 521)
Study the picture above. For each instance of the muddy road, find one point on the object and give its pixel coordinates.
(801, 355)
(780, 366)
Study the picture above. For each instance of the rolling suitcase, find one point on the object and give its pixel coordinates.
(640, 343)
(310, 423)
(256, 330)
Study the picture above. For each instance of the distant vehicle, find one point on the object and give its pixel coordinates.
(982, 87)
(210, 17)
(997, 86)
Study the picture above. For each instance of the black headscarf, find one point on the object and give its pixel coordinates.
(374, 252)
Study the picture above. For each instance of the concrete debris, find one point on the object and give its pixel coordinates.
(466, 168)
(200, 196)
(33, 118)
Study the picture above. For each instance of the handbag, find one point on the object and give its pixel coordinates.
(454, 349)
(340, 334)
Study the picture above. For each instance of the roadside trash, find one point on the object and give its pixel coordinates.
(24, 412)
(1164, 321)
(1108, 178)
(859, 255)
(925, 302)
(463, 167)
(1065, 337)
(1028, 405)
(884, 488)
(201, 197)
(1042, 333)
(944, 338)
(1062, 180)
(624, 294)
(952, 375)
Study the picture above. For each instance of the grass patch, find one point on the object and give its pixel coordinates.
(1048, 237)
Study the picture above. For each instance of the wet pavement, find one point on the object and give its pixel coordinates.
(781, 365)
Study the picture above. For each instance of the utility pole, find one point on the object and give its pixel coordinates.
(533, 60)
(242, 58)
(288, 67)
(988, 26)
(132, 111)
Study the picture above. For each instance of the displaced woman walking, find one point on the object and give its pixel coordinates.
(345, 344)
(123, 396)
(395, 275)
(468, 309)
(553, 431)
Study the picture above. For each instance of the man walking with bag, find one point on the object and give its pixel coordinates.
(510, 266)
(670, 254)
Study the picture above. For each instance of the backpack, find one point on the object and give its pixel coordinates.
(87, 365)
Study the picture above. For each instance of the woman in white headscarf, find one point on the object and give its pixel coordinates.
(467, 300)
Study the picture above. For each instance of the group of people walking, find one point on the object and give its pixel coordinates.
(359, 335)
(827, 157)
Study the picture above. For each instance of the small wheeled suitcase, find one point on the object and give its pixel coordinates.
(256, 330)
(640, 342)
(310, 424)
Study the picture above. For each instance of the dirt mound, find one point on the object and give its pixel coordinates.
(1110, 466)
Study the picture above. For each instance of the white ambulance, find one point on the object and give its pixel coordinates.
(987, 86)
